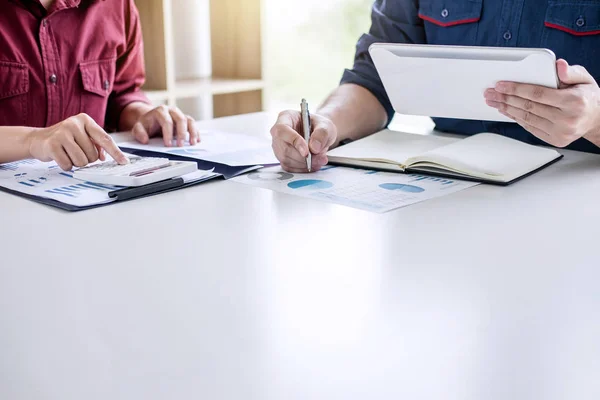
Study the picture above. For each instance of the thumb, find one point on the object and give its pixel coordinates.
(572, 74)
(140, 134)
(321, 138)
(101, 154)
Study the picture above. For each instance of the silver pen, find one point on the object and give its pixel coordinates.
(306, 128)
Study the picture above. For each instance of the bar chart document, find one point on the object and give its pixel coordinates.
(45, 180)
(358, 188)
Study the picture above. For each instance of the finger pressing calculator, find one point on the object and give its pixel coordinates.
(140, 171)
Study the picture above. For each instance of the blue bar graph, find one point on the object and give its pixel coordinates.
(98, 186)
(52, 177)
(56, 191)
(76, 190)
(89, 185)
(32, 182)
(431, 178)
(13, 166)
(69, 191)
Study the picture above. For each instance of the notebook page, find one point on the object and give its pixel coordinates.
(390, 146)
(492, 155)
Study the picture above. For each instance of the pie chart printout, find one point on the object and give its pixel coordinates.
(270, 176)
(310, 184)
(374, 191)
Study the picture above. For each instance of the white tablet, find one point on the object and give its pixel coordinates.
(450, 81)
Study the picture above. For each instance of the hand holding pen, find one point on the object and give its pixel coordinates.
(291, 147)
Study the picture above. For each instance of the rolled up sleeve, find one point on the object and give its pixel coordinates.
(130, 72)
(391, 22)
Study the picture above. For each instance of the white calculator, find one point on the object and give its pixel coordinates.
(140, 171)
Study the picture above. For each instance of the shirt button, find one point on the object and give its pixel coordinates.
(44, 22)
(444, 13)
(53, 78)
(106, 84)
(580, 22)
(507, 35)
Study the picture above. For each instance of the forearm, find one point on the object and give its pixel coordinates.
(131, 114)
(355, 111)
(14, 143)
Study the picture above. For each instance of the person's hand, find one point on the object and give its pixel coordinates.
(76, 141)
(290, 147)
(556, 116)
(169, 122)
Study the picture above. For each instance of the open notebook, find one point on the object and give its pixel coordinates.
(485, 157)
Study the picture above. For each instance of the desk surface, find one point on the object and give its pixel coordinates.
(214, 293)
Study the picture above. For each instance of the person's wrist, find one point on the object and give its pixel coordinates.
(132, 113)
(326, 112)
(594, 134)
(29, 139)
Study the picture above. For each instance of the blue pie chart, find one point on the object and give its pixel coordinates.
(402, 187)
(311, 184)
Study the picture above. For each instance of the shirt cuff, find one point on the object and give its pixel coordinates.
(117, 104)
(364, 74)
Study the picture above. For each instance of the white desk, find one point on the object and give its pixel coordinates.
(214, 293)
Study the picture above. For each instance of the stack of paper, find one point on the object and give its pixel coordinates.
(230, 149)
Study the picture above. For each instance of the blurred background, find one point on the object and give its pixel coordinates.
(311, 43)
(217, 58)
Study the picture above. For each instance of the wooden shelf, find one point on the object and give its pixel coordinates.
(216, 86)
(203, 87)
(235, 41)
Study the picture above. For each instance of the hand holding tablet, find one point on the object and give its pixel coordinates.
(450, 81)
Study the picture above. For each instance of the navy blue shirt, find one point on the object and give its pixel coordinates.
(570, 28)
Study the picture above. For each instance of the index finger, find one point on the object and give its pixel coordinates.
(290, 118)
(539, 94)
(103, 139)
(288, 135)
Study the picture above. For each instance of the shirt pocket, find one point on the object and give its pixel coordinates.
(451, 22)
(98, 78)
(14, 90)
(572, 32)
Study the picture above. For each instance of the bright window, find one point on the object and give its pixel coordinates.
(308, 44)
